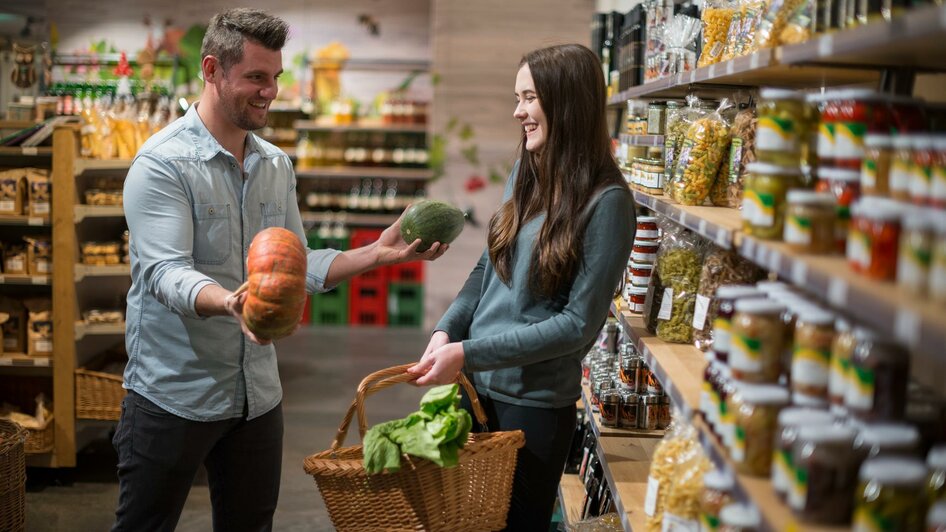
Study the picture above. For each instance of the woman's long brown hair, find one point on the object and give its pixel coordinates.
(559, 180)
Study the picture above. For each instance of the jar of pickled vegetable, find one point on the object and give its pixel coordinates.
(717, 493)
(782, 128)
(825, 474)
(811, 359)
(842, 348)
(757, 341)
(916, 251)
(810, 221)
(901, 167)
(889, 495)
(845, 186)
(789, 421)
(875, 169)
(936, 482)
(756, 419)
(726, 296)
(763, 202)
(880, 371)
(921, 177)
(887, 439)
(937, 279)
(938, 173)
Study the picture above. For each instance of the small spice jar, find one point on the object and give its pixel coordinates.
(644, 251)
(757, 341)
(610, 403)
(782, 128)
(763, 201)
(937, 280)
(656, 117)
(726, 296)
(842, 349)
(811, 356)
(739, 518)
(810, 221)
(789, 420)
(845, 186)
(875, 168)
(916, 250)
(641, 273)
(936, 481)
(890, 491)
(880, 370)
(647, 228)
(627, 414)
(887, 439)
(717, 493)
(754, 429)
(637, 296)
(825, 474)
(901, 167)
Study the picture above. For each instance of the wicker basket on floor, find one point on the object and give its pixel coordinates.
(40, 440)
(12, 476)
(98, 395)
(474, 495)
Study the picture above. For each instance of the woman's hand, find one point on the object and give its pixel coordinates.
(234, 306)
(393, 250)
(441, 365)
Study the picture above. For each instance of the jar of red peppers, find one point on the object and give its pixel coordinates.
(845, 186)
(644, 251)
(636, 297)
(875, 169)
(640, 273)
(875, 239)
(646, 228)
(921, 176)
(938, 173)
(858, 112)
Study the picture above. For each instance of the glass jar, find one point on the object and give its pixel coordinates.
(938, 173)
(916, 251)
(710, 371)
(656, 117)
(763, 202)
(726, 389)
(644, 251)
(726, 296)
(842, 348)
(789, 420)
(641, 273)
(936, 518)
(608, 407)
(883, 239)
(845, 186)
(880, 370)
(936, 482)
(829, 117)
(757, 341)
(890, 495)
(921, 176)
(875, 169)
(825, 474)
(856, 114)
(664, 416)
(717, 493)
(810, 221)
(754, 430)
(811, 357)
(781, 129)
(937, 279)
(887, 439)
(648, 412)
(739, 518)
(637, 296)
(647, 228)
(901, 167)
(627, 415)
(651, 176)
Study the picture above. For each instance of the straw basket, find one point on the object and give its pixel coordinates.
(12, 476)
(98, 395)
(474, 495)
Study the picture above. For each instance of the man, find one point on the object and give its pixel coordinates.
(199, 391)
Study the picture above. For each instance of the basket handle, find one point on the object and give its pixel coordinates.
(386, 378)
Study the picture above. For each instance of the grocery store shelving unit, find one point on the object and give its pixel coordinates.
(643, 140)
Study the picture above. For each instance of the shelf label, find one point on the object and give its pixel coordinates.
(799, 273)
(30, 150)
(761, 254)
(826, 45)
(730, 68)
(34, 220)
(837, 292)
(722, 237)
(702, 228)
(39, 279)
(748, 248)
(683, 218)
(712, 71)
(650, 501)
(775, 261)
(907, 327)
(693, 76)
(754, 61)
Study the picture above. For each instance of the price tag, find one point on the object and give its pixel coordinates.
(666, 305)
(722, 237)
(39, 279)
(30, 150)
(748, 248)
(712, 71)
(650, 501)
(761, 256)
(775, 261)
(907, 328)
(826, 45)
(799, 273)
(693, 76)
(701, 228)
(683, 218)
(837, 292)
(754, 61)
(699, 312)
(730, 68)
(43, 362)
(33, 220)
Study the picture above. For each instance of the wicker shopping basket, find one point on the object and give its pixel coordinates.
(474, 495)
(98, 395)
(12, 476)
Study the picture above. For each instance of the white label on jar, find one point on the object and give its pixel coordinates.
(640, 280)
(43, 266)
(781, 470)
(7, 206)
(798, 489)
(869, 173)
(675, 523)
(913, 267)
(849, 140)
(920, 182)
(900, 175)
(646, 233)
(699, 312)
(811, 366)
(638, 256)
(860, 389)
(666, 305)
(652, 179)
(797, 230)
(636, 308)
(745, 353)
(650, 501)
(721, 335)
(758, 208)
(825, 140)
(776, 134)
(739, 444)
(938, 186)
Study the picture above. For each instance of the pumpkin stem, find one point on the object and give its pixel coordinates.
(243, 288)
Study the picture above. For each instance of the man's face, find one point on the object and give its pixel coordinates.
(248, 87)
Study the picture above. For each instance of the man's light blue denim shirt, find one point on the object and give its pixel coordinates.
(192, 213)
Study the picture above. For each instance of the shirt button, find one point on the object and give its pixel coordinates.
(210, 210)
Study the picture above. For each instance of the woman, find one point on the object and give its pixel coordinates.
(534, 303)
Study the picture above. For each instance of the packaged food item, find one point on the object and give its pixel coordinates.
(936, 482)
(890, 495)
(814, 334)
(717, 17)
(755, 422)
(717, 493)
(100, 253)
(39, 333)
(15, 259)
(901, 167)
(937, 281)
(637, 298)
(40, 200)
(773, 22)
(916, 250)
(682, 510)
(680, 37)
(628, 411)
(727, 189)
(789, 421)
(887, 439)
(938, 173)
(644, 251)
(798, 28)
(707, 139)
(763, 203)
(720, 268)
(739, 517)
(676, 127)
(726, 296)
(13, 189)
(758, 340)
(842, 349)
(647, 228)
(640, 274)
(679, 266)
(845, 186)
(810, 222)
(656, 117)
(875, 168)
(921, 176)
(825, 474)
(609, 404)
(39, 253)
(782, 128)
(880, 371)
(858, 111)
(678, 443)
(14, 328)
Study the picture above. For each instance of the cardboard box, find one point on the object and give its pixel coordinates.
(13, 189)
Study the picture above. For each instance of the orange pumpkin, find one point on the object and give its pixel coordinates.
(276, 266)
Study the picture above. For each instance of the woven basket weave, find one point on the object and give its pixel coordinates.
(474, 495)
(12, 477)
(98, 395)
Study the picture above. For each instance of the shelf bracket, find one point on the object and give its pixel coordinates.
(898, 81)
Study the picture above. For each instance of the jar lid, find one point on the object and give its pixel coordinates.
(810, 197)
(809, 401)
(816, 316)
(879, 210)
(737, 291)
(740, 515)
(827, 434)
(793, 416)
(861, 94)
(646, 219)
(764, 394)
(842, 325)
(885, 435)
(773, 169)
(768, 287)
(936, 459)
(839, 174)
(894, 470)
(918, 219)
(641, 266)
(878, 140)
(719, 480)
(645, 243)
(769, 93)
(863, 334)
(674, 103)
(902, 141)
(759, 306)
(638, 290)
(937, 515)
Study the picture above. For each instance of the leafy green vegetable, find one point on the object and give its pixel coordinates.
(436, 432)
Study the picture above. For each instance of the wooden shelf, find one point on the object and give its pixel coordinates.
(22, 219)
(24, 360)
(593, 415)
(102, 329)
(355, 219)
(643, 140)
(97, 211)
(82, 166)
(721, 225)
(358, 172)
(17, 278)
(626, 467)
(328, 124)
(571, 493)
(421, 65)
(112, 270)
(26, 151)
(17, 124)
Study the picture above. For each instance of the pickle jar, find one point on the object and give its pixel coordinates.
(884, 226)
(887, 439)
(880, 370)
(756, 419)
(916, 251)
(845, 186)
(842, 348)
(825, 474)
(716, 494)
(890, 494)
(627, 414)
(936, 517)
(789, 420)
(656, 118)
(763, 201)
(875, 168)
(726, 297)
(936, 482)
(739, 517)
(811, 356)
(901, 167)
(810, 221)
(781, 129)
(757, 341)
(937, 280)
(609, 405)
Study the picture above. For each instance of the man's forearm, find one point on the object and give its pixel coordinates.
(211, 301)
(352, 262)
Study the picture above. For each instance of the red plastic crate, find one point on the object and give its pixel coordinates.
(368, 307)
(362, 237)
(408, 272)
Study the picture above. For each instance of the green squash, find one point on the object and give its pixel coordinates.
(431, 221)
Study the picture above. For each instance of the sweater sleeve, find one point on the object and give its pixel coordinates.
(456, 321)
(607, 245)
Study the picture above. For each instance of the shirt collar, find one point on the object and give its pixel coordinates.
(206, 145)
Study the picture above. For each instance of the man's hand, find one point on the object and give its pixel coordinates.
(440, 365)
(393, 250)
(234, 306)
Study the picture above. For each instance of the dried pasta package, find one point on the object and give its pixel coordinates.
(678, 442)
(727, 189)
(717, 17)
(678, 121)
(706, 141)
(720, 267)
(735, 27)
(774, 21)
(682, 507)
(798, 27)
(751, 14)
(680, 36)
(678, 263)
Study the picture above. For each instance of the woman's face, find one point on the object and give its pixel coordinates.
(529, 112)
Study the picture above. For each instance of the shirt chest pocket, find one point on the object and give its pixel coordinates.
(273, 213)
(211, 233)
